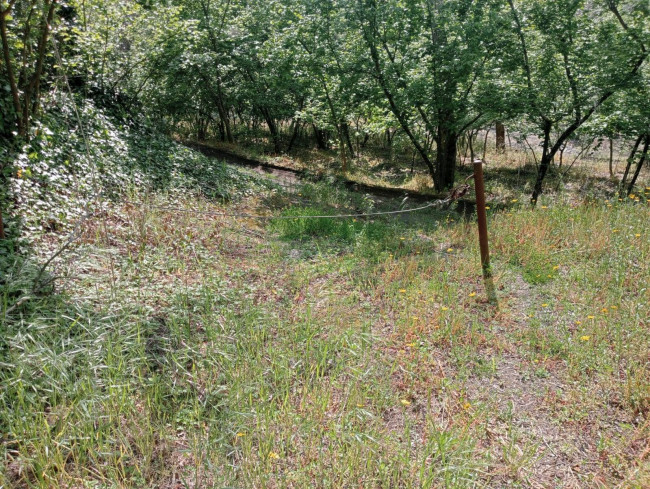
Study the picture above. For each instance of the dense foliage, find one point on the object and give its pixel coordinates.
(334, 73)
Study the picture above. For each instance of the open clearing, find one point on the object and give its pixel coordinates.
(201, 351)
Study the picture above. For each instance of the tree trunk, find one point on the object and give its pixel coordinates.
(501, 137)
(545, 164)
(630, 160)
(611, 158)
(321, 138)
(346, 132)
(294, 135)
(487, 133)
(644, 155)
(9, 64)
(446, 142)
(273, 129)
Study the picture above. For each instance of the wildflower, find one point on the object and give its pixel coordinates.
(241, 434)
(472, 294)
(637, 235)
(444, 308)
(402, 239)
(578, 323)
(405, 402)
(604, 310)
(466, 406)
(585, 338)
(410, 345)
(632, 196)
(544, 207)
(403, 291)
(449, 250)
(487, 207)
(20, 174)
(273, 455)
(591, 317)
(556, 267)
(545, 305)
(415, 318)
(614, 230)
(613, 307)
(359, 405)
(514, 200)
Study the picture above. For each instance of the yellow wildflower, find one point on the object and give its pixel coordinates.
(241, 434)
(585, 338)
(444, 308)
(472, 294)
(449, 250)
(405, 402)
(591, 317)
(273, 455)
(403, 291)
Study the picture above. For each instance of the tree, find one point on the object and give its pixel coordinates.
(575, 55)
(433, 61)
(25, 29)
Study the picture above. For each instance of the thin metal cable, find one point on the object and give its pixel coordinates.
(241, 215)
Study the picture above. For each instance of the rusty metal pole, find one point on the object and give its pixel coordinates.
(481, 212)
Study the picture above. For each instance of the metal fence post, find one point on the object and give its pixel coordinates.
(481, 212)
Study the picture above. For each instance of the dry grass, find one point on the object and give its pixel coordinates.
(198, 352)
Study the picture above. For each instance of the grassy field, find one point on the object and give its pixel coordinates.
(186, 350)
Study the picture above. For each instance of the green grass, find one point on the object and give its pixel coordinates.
(191, 351)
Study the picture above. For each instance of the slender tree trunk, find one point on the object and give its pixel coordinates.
(642, 160)
(545, 164)
(611, 158)
(346, 132)
(630, 160)
(501, 137)
(273, 129)
(487, 133)
(294, 135)
(9, 67)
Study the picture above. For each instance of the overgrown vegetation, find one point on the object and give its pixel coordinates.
(211, 352)
(168, 320)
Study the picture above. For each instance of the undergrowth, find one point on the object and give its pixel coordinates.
(185, 349)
